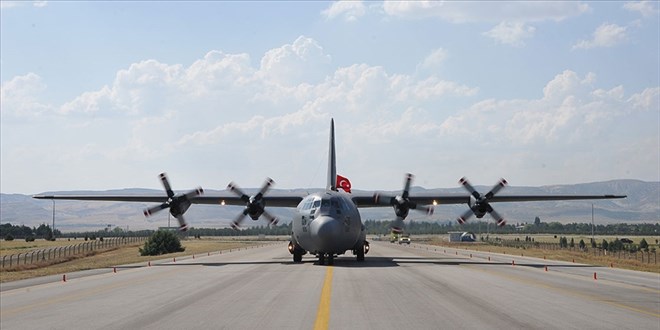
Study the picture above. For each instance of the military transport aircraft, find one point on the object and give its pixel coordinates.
(327, 223)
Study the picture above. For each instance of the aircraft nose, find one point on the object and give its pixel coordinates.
(327, 230)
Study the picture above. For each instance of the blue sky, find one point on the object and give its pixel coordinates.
(102, 95)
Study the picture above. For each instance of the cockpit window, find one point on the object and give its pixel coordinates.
(317, 203)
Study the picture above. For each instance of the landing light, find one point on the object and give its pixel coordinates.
(222, 202)
(435, 203)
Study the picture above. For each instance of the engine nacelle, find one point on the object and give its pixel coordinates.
(180, 207)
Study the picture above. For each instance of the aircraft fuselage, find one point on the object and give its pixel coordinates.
(328, 223)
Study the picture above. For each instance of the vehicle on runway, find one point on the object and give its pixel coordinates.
(327, 223)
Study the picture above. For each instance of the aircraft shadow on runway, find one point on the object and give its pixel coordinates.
(378, 262)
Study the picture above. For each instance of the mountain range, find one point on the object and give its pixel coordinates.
(641, 205)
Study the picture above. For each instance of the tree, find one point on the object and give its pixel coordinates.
(572, 244)
(582, 245)
(9, 237)
(605, 245)
(616, 245)
(537, 221)
(643, 245)
(161, 242)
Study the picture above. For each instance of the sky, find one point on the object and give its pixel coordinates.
(107, 95)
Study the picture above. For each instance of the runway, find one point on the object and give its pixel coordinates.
(416, 287)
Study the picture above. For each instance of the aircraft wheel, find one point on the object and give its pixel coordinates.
(360, 254)
(331, 259)
(297, 257)
(321, 259)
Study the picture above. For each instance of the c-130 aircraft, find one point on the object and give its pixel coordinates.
(328, 223)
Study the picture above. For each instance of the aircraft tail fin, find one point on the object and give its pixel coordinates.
(332, 159)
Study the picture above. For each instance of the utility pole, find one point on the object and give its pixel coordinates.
(53, 218)
(592, 222)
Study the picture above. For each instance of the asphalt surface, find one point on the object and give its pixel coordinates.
(413, 287)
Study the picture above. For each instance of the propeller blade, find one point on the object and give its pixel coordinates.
(428, 209)
(154, 209)
(469, 187)
(183, 226)
(271, 219)
(500, 220)
(266, 186)
(193, 193)
(166, 184)
(397, 225)
(233, 187)
(406, 185)
(237, 222)
(382, 199)
(496, 188)
(463, 218)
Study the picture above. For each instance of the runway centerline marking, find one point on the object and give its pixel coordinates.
(323, 312)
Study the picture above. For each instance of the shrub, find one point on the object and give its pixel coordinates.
(29, 239)
(9, 237)
(161, 242)
(643, 245)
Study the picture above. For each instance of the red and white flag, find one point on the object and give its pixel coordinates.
(343, 183)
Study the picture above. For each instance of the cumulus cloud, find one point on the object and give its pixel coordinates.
(302, 61)
(229, 118)
(649, 99)
(606, 35)
(467, 12)
(434, 60)
(20, 96)
(511, 33)
(14, 4)
(644, 8)
(569, 111)
(348, 9)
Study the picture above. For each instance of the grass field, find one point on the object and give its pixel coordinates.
(561, 255)
(21, 246)
(127, 254)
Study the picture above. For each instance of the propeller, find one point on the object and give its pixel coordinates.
(479, 204)
(402, 203)
(178, 204)
(254, 204)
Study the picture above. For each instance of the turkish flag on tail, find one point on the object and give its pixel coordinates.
(343, 183)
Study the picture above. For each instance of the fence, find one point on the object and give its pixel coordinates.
(650, 257)
(61, 252)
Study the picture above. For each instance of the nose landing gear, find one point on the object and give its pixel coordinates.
(327, 259)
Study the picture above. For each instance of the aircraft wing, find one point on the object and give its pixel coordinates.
(532, 198)
(366, 200)
(291, 200)
(109, 198)
(288, 200)
(369, 199)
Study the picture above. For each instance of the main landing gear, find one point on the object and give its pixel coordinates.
(361, 251)
(296, 251)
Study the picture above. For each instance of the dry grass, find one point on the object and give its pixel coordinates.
(128, 254)
(560, 255)
(21, 246)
